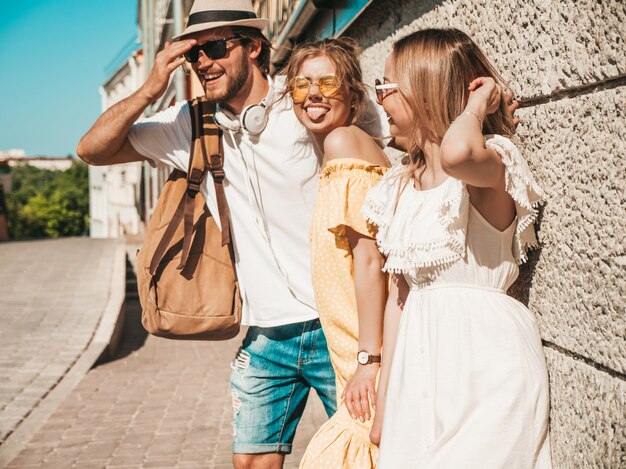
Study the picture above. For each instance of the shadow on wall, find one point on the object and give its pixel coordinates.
(520, 290)
(383, 18)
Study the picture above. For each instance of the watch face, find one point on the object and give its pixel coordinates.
(363, 357)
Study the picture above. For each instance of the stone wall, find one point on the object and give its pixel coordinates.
(567, 59)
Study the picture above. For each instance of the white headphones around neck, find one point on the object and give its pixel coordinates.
(253, 119)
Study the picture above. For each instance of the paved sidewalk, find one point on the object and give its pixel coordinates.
(52, 295)
(160, 403)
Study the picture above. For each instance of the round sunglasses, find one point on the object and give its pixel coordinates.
(300, 87)
(214, 50)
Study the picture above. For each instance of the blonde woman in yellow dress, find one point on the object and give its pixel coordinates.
(324, 81)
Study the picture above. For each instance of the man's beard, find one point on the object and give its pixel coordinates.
(235, 81)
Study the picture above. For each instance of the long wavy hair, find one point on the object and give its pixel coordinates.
(433, 69)
(344, 54)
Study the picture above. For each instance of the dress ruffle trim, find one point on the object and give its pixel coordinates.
(437, 252)
(338, 166)
(343, 186)
(414, 252)
(340, 443)
(378, 208)
(404, 243)
(525, 192)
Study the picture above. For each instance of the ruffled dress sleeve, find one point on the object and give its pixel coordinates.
(378, 205)
(523, 189)
(344, 184)
(428, 229)
(417, 229)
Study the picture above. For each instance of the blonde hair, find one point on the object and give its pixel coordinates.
(433, 69)
(344, 54)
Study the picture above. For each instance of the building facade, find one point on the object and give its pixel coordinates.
(115, 205)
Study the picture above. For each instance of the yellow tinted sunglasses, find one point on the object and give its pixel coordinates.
(299, 87)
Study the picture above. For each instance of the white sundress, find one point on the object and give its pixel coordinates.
(468, 385)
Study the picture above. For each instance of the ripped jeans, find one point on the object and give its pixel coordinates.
(271, 377)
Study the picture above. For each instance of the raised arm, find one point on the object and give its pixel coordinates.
(464, 156)
(463, 152)
(107, 141)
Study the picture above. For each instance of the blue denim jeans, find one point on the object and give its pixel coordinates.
(271, 377)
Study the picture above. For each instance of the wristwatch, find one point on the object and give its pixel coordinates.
(365, 358)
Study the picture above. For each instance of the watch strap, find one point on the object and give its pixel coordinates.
(370, 358)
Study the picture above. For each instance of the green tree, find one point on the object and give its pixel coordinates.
(49, 204)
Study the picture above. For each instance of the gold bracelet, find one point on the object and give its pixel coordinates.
(480, 121)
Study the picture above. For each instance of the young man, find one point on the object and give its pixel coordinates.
(271, 170)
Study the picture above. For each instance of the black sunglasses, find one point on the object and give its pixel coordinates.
(212, 49)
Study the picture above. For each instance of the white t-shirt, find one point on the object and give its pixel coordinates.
(270, 187)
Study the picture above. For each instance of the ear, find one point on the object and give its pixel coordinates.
(254, 49)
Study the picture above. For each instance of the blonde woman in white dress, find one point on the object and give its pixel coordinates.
(463, 380)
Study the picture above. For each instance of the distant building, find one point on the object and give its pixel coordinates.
(115, 205)
(14, 152)
(51, 163)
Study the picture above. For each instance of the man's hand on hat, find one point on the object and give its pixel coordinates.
(165, 62)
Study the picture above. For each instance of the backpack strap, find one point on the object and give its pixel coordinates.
(213, 154)
(195, 175)
(206, 153)
(178, 216)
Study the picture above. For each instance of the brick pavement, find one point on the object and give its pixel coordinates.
(52, 294)
(160, 403)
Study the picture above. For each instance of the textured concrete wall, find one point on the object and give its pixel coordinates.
(569, 56)
(540, 46)
(576, 148)
(587, 415)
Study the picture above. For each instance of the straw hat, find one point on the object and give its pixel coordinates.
(209, 14)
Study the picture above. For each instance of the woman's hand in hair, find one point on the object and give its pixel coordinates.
(512, 104)
(485, 96)
(495, 96)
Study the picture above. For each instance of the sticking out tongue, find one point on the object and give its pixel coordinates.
(316, 113)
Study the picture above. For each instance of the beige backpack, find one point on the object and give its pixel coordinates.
(185, 276)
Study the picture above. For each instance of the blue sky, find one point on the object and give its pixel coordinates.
(53, 55)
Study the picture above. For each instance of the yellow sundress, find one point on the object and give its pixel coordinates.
(341, 442)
